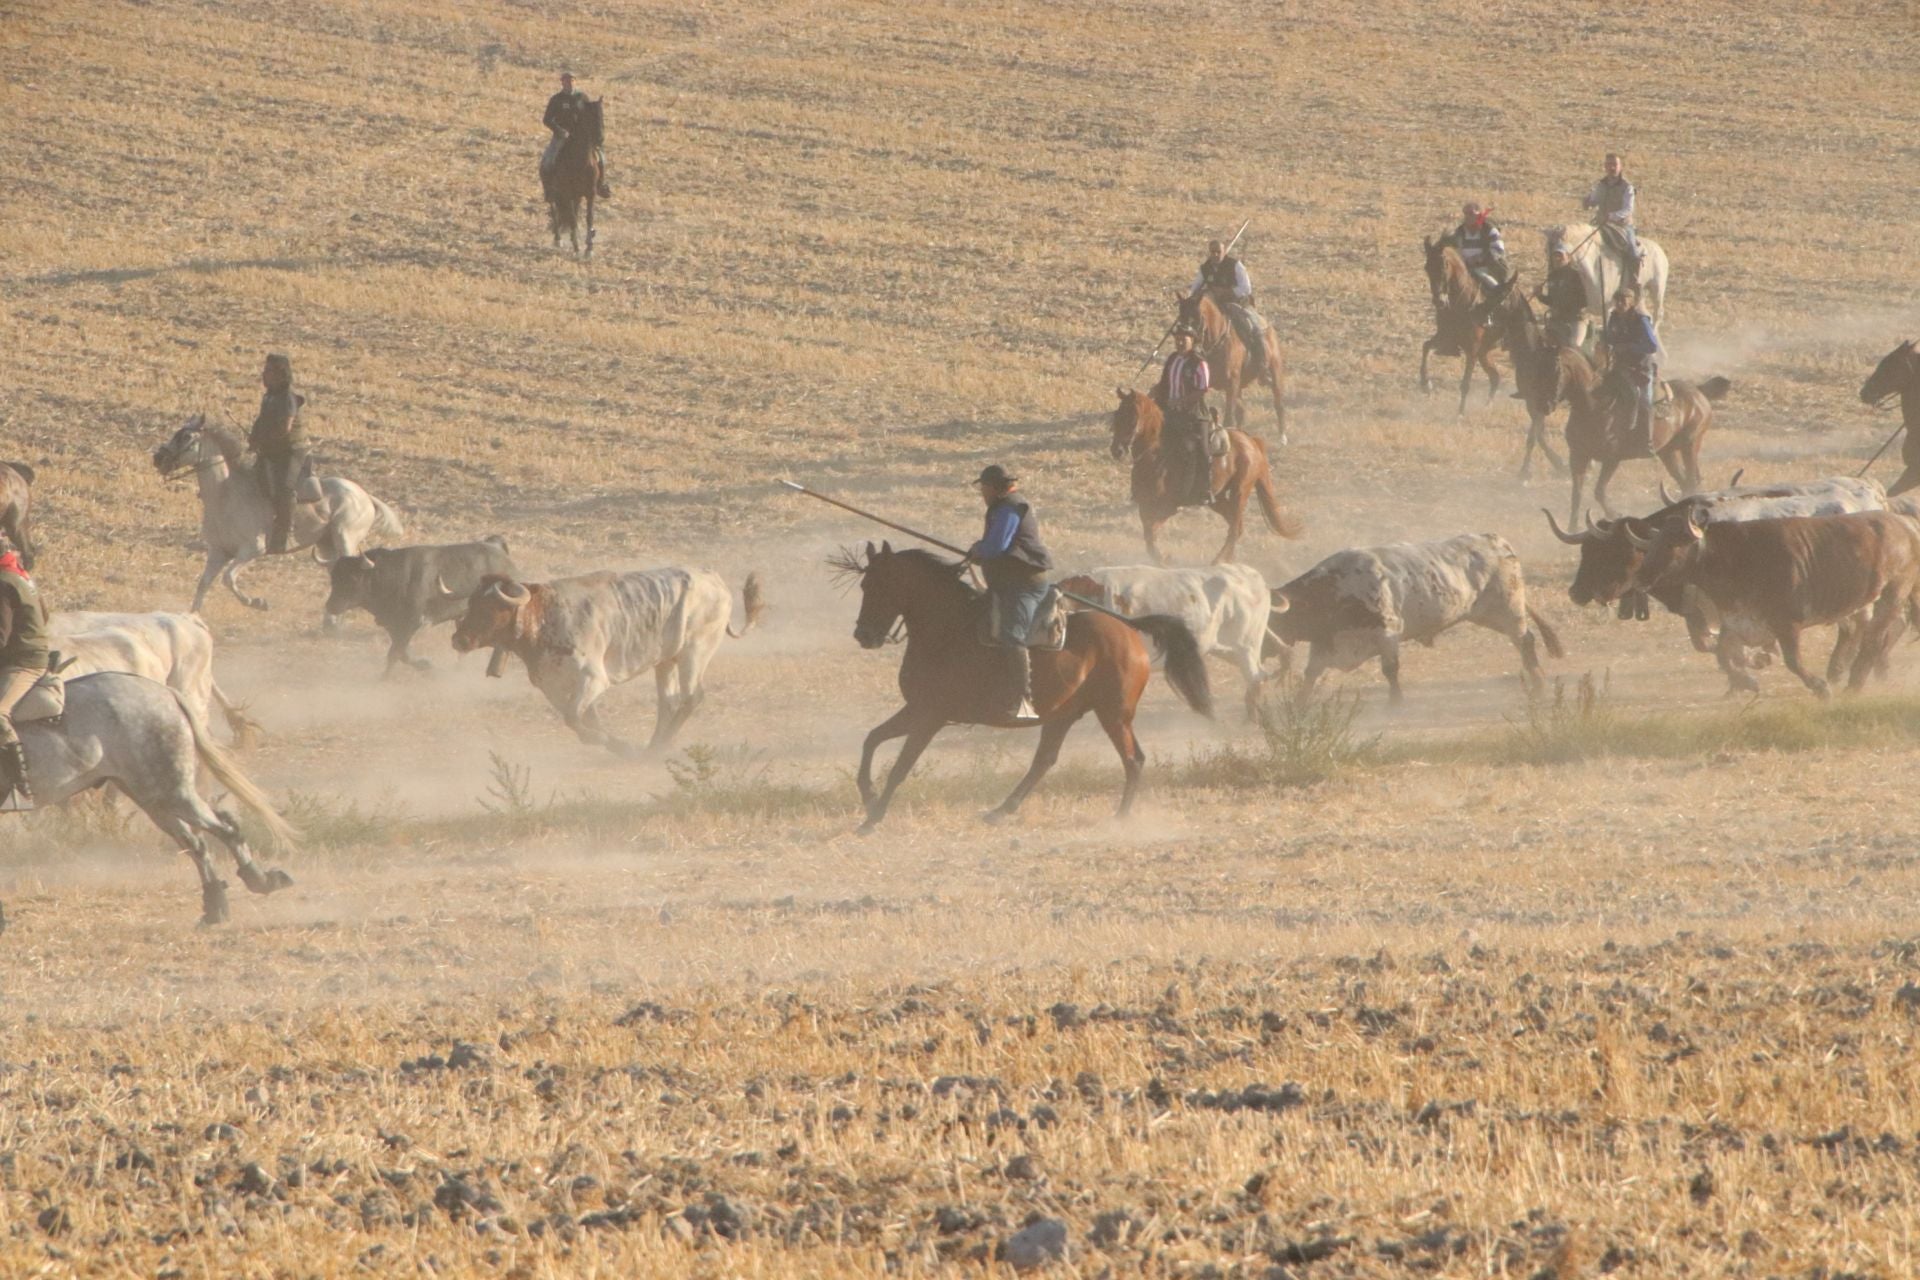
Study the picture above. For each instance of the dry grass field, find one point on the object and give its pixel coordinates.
(1626, 986)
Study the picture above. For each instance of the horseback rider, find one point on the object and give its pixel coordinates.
(1565, 294)
(1633, 352)
(1220, 270)
(279, 443)
(566, 111)
(1480, 245)
(1182, 392)
(23, 660)
(1016, 564)
(1612, 202)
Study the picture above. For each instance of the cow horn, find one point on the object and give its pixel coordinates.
(1278, 602)
(1666, 499)
(1695, 530)
(513, 592)
(1736, 478)
(1639, 543)
(1571, 539)
(440, 585)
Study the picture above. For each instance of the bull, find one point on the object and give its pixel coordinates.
(1772, 579)
(1360, 604)
(1225, 606)
(407, 589)
(175, 649)
(1609, 556)
(581, 636)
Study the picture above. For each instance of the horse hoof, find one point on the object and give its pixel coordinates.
(260, 605)
(277, 880)
(994, 817)
(866, 828)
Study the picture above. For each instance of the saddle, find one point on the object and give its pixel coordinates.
(1049, 629)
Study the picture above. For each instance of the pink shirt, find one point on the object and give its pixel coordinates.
(1186, 377)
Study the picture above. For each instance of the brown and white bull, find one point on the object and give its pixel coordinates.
(1225, 606)
(1609, 556)
(175, 649)
(1360, 604)
(1772, 579)
(581, 636)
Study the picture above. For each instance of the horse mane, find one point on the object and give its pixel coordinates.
(1575, 373)
(227, 443)
(1463, 291)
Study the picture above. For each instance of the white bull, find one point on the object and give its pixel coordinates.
(175, 649)
(581, 636)
(1360, 604)
(1225, 606)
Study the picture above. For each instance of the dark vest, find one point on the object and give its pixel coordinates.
(1221, 275)
(27, 646)
(1566, 293)
(1027, 552)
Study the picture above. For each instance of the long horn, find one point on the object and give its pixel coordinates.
(1736, 477)
(512, 592)
(440, 585)
(1639, 543)
(1593, 530)
(1666, 499)
(1571, 539)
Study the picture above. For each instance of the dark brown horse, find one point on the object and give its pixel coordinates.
(574, 179)
(1897, 374)
(1457, 298)
(1232, 365)
(16, 509)
(948, 677)
(1593, 435)
(1160, 481)
(1508, 317)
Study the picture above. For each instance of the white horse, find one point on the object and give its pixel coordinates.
(1602, 269)
(139, 735)
(236, 517)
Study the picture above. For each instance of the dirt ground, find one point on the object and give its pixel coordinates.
(533, 1011)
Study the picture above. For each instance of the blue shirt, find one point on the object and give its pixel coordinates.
(1002, 523)
(1632, 335)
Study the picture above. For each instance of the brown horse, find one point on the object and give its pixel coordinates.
(574, 179)
(1232, 365)
(1506, 314)
(16, 509)
(1593, 435)
(1159, 481)
(1897, 374)
(947, 675)
(1457, 298)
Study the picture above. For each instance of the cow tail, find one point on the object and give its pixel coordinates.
(1548, 636)
(246, 731)
(1282, 522)
(755, 603)
(1186, 666)
(227, 772)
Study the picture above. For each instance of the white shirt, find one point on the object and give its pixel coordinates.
(1242, 282)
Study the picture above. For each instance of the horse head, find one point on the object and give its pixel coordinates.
(880, 606)
(184, 449)
(1897, 372)
(1436, 251)
(1135, 413)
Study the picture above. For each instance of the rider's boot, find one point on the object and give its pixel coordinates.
(13, 773)
(1018, 695)
(282, 523)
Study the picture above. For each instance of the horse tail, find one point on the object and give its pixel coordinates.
(1282, 522)
(227, 772)
(755, 604)
(26, 472)
(386, 521)
(1186, 666)
(1716, 388)
(1548, 636)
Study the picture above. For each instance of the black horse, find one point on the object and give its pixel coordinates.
(575, 177)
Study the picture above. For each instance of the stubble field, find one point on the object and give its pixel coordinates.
(1522, 991)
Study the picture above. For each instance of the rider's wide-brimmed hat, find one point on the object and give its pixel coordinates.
(993, 476)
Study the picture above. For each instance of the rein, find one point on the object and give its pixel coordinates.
(181, 473)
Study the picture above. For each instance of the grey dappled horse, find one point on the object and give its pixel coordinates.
(139, 735)
(235, 515)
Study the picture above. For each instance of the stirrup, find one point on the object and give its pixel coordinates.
(1026, 715)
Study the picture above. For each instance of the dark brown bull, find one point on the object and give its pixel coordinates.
(1772, 579)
